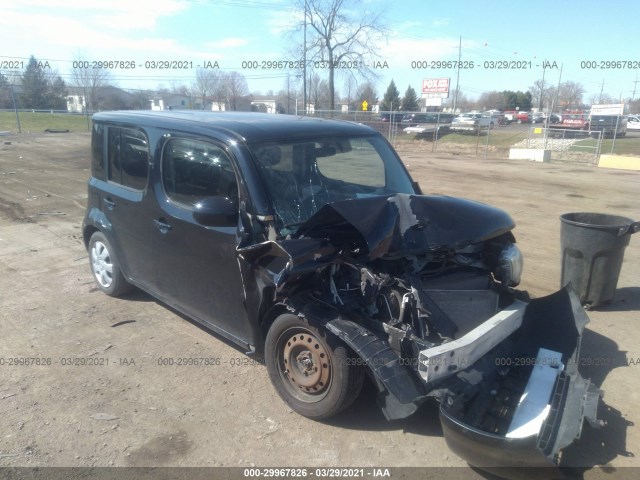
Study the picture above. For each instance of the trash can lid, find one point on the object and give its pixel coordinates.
(601, 221)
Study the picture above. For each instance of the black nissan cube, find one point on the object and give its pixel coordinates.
(306, 243)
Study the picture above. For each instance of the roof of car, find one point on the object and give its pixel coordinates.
(248, 126)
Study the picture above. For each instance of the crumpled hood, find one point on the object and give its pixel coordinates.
(374, 227)
(404, 223)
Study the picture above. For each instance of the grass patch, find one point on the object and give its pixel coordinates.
(40, 121)
(623, 146)
(499, 139)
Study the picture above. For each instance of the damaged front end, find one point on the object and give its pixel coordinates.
(421, 288)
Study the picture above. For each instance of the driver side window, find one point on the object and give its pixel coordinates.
(193, 170)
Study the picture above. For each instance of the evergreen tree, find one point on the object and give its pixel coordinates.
(5, 93)
(391, 99)
(34, 86)
(366, 91)
(410, 100)
(56, 94)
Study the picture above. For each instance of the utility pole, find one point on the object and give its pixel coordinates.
(601, 90)
(557, 102)
(455, 98)
(304, 63)
(15, 107)
(544, 69)
(635, 83)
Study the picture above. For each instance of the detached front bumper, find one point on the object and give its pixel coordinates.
(498, 424)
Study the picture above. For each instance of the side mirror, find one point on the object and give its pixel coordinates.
(216, 212)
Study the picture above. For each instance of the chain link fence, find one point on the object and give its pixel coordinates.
(407, 131)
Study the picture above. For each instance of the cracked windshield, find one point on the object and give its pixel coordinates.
(303, 176)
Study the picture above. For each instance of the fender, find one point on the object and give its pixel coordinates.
(97, 219)
(401, 392)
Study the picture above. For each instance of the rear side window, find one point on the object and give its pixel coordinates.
(193, 170)
(128, 157)
(97, 152)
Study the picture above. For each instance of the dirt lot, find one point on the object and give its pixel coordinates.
(127, 409)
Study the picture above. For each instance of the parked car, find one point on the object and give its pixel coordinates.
(537, 117)
(554, 118)
(515, 116)
(633, 122)
(496, 116)
(472, 122)
(427, 122)
(306, 242)
(522, 117)
(393, 117)
(413, 119)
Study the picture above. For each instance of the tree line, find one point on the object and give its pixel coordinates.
(39, 87)
(43, 88)
(335, 33)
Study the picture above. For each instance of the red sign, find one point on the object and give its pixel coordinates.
(435, 85)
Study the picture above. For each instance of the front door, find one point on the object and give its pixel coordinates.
(197, 267)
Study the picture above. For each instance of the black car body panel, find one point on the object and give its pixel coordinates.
(409, 223)
(237, 219)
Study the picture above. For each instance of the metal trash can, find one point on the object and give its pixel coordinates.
(592, 252)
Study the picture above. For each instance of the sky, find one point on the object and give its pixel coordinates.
(591, 42)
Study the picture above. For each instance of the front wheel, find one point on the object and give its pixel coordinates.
(313, 371)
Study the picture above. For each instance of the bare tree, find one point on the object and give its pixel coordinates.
(542, 94)
(570, 94)
(233, 87)
(89, 81)
(601, 98)
(287, 95)
(350, 86)
(492, 100)
(319, 94)
(207, 84)
(463, 103)
(179, 88)
(342, 32)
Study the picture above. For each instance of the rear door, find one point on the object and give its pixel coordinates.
(124, 200)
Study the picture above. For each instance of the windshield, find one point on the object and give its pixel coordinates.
(304, 175)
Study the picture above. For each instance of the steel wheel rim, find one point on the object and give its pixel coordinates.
(304, 365)
(102, 264)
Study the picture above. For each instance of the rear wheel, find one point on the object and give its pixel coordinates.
(313, 371)
(105, 267)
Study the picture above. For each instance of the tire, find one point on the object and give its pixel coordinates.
(329, 380)
(105, 267)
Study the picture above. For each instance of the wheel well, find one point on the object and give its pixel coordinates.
(268, 318)
(86, 235)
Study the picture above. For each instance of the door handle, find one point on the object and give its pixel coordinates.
(109, 203)
(162, 225)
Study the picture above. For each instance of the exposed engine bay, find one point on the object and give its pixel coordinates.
(410, 271)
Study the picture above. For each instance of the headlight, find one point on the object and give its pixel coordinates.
(510, 265)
